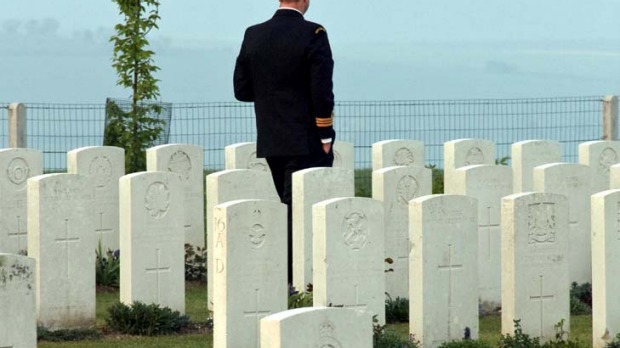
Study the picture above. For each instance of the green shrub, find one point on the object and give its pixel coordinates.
(107, 267)
(384, 338)
(145, 320)
(519, 339)
(44, 334)
(615, 343)
(195, 263)
(363, 183)
(582, 292)
(465, 344)
(300, 299)
(396, 310)
(437, 175)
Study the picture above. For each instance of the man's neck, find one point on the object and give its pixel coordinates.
(290, 8)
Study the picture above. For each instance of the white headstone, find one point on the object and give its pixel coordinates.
(394, 187)
(250, 269)
(186, 161)
(389, 153)
(443, 266)
(488, 184)
(311, 186)
(529, 154)
(152, 239)
(18, 321)
(573, 181)
(606, 267)
(317, 327)
(535, 263)
(599, 156)
(344, 155)
(348, 255)
(103, 166)
(226, 186)
(243, 156)
(61, 240)
(465, 152)
(614, 177)
(16, 166)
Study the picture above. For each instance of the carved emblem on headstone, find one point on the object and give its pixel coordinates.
(100, 170)
(355, 230)
(407, 188)
(181, 164)
(474, 156)
(403, 157)
(607, 158)
(327, 340)
(257, 236)
(256, 164)
(157, 200)
(541, 223)
(18, 171)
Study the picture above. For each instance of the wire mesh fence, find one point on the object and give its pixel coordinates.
(4, 125)
(58, 128)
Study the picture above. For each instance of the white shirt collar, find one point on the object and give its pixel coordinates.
(290, 8)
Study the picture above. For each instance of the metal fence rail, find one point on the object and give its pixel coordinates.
(4, 125)
(58, 128)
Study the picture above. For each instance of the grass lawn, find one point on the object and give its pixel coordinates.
(196, 309)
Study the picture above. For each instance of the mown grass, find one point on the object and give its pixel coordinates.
(196, 309)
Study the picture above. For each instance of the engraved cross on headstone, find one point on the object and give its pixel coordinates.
(66, 242)
(257, 314)
(541, 298)
(19, 234)
(158, 270)
(450, 267)
(357, 300)
(488, 227)
(101, 230)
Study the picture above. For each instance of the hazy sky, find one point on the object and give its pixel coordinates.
(58, 50)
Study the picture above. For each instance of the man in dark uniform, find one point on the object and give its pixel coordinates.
(285, 67)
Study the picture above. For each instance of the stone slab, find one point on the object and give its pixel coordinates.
(443, 266)
(394, 187)
(104, 166)
(243, 156)
(528, 154)
(344, 155)
(397, 152)
(16, 167)
(311, 186)
(60, 239)
(250, 269)
(599, 156)
(348, 255)
(226, 186)
(18, 322)
(466, 152)
(313, 327)
(187, 162)
(152, 239)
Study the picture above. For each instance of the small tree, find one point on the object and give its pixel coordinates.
(135, 130)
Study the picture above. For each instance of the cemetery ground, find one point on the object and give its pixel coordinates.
(201, 336)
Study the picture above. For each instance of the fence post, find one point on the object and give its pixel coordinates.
(17, 125)
(610, 118)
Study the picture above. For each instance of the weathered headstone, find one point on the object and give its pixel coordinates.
(535, 263)
(152, 239)
(488, 184)
(18, 321)
(394, 187)
(344, 155)
(389, 153)
(465, 152)
(443, 268)
(243, 156)
(250, 269)
(311, 186)
(16, 166)
(186, 161)
(528, 154)
(573, 181)
(348, 255)
(61, 240)
(599, 156)
(317, 327)
(103, 166)
(606, 262)
(226, 186)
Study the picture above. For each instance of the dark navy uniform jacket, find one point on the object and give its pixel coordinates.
(285, 67)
